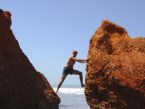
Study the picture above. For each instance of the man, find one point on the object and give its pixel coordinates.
(68, 69)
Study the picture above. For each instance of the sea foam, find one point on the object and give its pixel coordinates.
(72, 98)
(77, 91)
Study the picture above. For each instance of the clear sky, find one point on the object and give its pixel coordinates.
(48, 30)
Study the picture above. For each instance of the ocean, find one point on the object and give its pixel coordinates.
(72, 98)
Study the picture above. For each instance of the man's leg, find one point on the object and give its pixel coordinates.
(61, 81)
(76, 72)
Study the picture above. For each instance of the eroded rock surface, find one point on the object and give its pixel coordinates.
(116, 69)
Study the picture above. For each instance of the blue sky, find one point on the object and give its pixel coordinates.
(48, 30)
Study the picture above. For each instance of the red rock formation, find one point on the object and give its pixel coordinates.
(21, 86)
(116, 69)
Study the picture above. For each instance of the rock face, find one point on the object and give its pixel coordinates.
(21, 86)
(115, 70)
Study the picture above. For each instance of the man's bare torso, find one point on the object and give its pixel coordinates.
(70, 63)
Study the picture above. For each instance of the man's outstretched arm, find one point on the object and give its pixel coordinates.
(80, 60)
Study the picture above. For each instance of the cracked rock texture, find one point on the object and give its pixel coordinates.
(115, 70)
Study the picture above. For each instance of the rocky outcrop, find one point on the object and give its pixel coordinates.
(21, 86)
(115, 70)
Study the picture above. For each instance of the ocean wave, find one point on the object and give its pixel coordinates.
(72, 98)
(77, 91)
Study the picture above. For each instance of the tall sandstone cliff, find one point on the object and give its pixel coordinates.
(21, 86)
(115, 70)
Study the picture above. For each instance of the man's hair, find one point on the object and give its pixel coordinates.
(74, 51)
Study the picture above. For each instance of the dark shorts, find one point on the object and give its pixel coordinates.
(67, 71)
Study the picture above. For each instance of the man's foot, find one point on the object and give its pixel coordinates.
(83, 85)
(56, 90)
